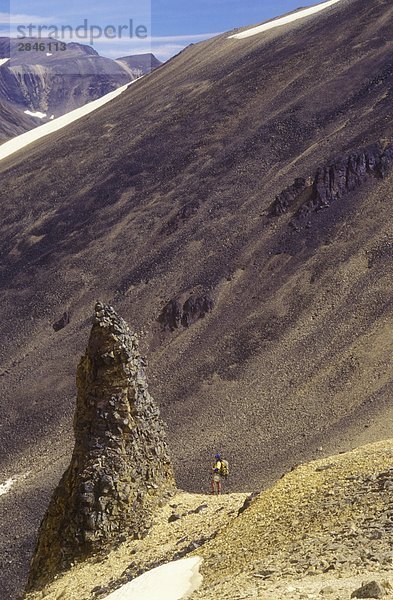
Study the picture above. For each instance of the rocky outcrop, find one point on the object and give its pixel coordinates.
(62, 322)
(287, 197)
(335, 180)
(372, 589)
(195, 308)
(120, 469)
(171, 315)
(177, 313)
(346, 174)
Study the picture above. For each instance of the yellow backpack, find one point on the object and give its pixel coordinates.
(224, 471)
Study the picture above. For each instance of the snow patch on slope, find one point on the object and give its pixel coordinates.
(176, 580)
(38, 114)
(283, 20)
(3, 61)
(23, 140)
(5, 487)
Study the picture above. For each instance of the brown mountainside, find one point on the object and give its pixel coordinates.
(165, 203)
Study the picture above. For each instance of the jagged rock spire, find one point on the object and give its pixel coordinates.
(120, 468)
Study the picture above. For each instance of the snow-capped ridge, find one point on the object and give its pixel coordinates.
(283, 20)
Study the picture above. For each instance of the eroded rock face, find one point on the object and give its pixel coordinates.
(346, 174)
(195, 308)
(171, 315)
(334, 181)
(120, 468)
(63, 322)
(177, 313)
(286, 198)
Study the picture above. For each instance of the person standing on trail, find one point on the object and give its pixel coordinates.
(220, 470)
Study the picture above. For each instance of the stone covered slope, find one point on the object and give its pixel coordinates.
(120, 469)
(328, 523)
(185, 523)
(320, 531)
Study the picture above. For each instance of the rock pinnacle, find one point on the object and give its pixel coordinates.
(120, 469)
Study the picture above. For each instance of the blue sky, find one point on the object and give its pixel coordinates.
(165, 26)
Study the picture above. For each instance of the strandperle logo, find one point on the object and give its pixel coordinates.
(85, 31)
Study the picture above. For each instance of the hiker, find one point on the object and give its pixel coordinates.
(220, 469)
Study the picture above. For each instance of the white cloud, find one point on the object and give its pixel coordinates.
(165, 52)
(198, 37)
(21, 19)
(162, 46)
(188, 37)
(161, 51)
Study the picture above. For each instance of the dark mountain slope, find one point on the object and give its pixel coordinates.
(14, 120)
(168, 192)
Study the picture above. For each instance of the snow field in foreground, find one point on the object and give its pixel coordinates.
(23, 140)
(5, 487)
(175, 580)
(283, 20)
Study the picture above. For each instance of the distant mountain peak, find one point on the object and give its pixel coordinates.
(54, 78)
(147, 62)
